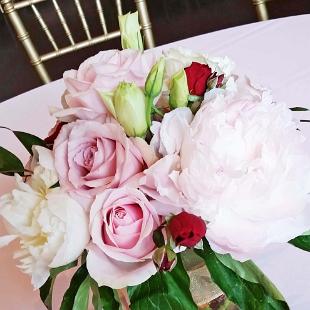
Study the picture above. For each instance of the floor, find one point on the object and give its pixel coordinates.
(172, 20)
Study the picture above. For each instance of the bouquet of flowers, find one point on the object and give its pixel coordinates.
(152, 160)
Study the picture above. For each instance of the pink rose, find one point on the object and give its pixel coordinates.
(90, 157)
(103, 72)
(122, 222)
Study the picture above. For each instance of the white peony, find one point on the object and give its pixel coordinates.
(242, 166)
(51, 226)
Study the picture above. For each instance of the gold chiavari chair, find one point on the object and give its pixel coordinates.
(11, 9)
(261, 9)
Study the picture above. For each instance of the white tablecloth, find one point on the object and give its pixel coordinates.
(274, 53)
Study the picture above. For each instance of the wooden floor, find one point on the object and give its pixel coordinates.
(172, 20)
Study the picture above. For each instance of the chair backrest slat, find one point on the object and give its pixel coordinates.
(44, 27)
(82, 17)
(119, 7)
(80, 45)
(261, 9)
(101, 16)
(63, 22)
(22, 4)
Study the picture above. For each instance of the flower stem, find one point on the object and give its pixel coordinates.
(123, 298)
(149, 108)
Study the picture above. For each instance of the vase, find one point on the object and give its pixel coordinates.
(205, 292)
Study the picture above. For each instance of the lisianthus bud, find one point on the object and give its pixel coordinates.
(178, 90)
(129, 105)
(130, 31)
(154, 81)
(164, 258)
(187, 229)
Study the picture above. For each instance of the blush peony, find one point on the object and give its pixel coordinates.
(243, 168)
(122, 222)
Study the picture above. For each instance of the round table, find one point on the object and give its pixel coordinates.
(275, 54)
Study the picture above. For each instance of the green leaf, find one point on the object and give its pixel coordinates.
(77, 279)
(299, 109)
(249, 271)
(302, 242)
(96, 301)
(107, 298)
(9, 163)
(82, 296)
(246, 294)
(103, 297)
(46, 291)
(55, 271)
(55, 185)
(28, 140)
(164, 290)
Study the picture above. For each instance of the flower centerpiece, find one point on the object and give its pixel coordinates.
(153, 158)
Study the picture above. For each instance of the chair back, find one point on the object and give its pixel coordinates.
(11, 10)
(261, 9)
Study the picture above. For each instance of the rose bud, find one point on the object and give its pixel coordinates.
(130, 31)
(154, 81)
(197, 77)
(129, 105)
(187, 229)
(178, 90)
(164, 258)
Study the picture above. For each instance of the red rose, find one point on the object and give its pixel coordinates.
(197, 77)
(187, 229)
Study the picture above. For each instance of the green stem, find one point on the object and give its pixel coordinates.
(158, 111)
(149, 108)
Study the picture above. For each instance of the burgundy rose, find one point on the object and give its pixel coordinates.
(53, 134)
(197, 75)
(164, 258)
(187, 229)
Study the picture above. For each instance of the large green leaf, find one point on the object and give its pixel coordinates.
(164, 290)
(76, 281)
(9, 163)
(245, 294)
(28, 140)
(46, 291)
(103, 297)
(302, 242)
(107, 298)
(82, 296)
(250, 272)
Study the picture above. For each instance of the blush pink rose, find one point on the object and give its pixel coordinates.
(122, 222)
(90, 157)
(102, 72)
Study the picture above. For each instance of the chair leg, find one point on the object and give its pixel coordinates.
(145, 23)
(261, 9)
(24, 38)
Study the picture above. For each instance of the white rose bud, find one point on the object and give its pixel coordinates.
(178, 90)
(130, 31)
(130, 110)
(154, 81)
